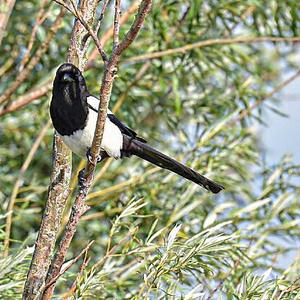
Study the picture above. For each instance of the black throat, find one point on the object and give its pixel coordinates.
(68, 108)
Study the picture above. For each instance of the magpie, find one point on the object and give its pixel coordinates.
(74, 114)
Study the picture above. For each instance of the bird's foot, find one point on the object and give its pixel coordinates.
(89, 157)
(81, 179)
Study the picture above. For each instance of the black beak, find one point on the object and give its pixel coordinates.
(67, 78)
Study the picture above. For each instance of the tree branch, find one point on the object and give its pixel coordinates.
(69, 265)
(125, 16)
(88, 28)
(60, 177)
(27, 98)
(51, 219)
(46, 87)
(41, 17)
(34, 61)
(79, 207)
(104, 6)
(144, 9)
(6, 9)
(212, 42)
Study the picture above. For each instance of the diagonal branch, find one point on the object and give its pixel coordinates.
(38, 92)
(213, 42)
(26, 99)
(109, 76)
(88, 28)
(40, 19)
(34, 61)
(144, 9)
(69, 264)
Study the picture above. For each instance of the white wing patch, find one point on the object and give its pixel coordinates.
(81, 140)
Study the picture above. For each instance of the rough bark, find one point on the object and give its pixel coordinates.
(61, 174)
(57, 194)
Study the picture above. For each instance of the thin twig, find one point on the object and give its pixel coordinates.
(113, 249)
(109, 33)
(212, 42)
(69, 264)
(19, 180)
(277, 89)
(88, 28)
(41, 17)
(62, 3)
(104, 6)
(6, 66)
(116, 24)
(73, 288)
(101, 214)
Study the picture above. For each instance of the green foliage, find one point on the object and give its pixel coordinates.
(13, 270)
(156, 235)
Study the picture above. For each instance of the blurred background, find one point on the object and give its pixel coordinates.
(224, 108)
(280, 136)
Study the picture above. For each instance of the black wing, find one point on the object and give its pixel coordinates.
(123, 128)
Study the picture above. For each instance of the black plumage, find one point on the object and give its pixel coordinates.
(68, 107)
(74, 113)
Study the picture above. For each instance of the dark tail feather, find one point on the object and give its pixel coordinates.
(144, 151)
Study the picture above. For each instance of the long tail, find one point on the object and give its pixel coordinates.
(142, 150)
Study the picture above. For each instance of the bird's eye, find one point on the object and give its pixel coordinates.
(67, 78)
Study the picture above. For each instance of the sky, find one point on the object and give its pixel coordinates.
(282, 134)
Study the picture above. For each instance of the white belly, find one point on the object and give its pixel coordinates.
(81, 140)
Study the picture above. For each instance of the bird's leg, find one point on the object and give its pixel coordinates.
(89, 156)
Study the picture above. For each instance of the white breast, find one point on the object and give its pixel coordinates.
(81, 140)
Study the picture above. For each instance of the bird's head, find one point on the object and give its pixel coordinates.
(69, 84)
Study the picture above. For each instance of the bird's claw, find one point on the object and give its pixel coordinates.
(90, 158)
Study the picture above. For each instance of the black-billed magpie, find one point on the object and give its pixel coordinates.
(74, 113)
